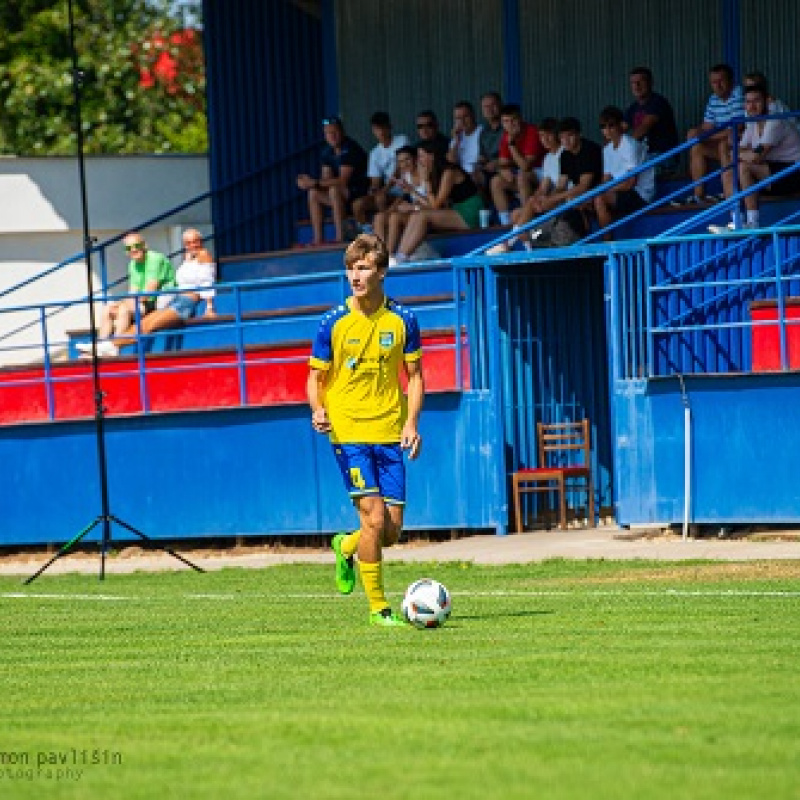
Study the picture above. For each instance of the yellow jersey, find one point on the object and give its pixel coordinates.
(363, 355)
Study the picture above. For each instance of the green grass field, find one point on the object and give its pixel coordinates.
(555, 680)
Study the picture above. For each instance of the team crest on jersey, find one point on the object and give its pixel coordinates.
(386, 339)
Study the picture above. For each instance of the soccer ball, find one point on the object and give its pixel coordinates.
(426, 604)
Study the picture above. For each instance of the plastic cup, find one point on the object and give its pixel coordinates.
(485, 215)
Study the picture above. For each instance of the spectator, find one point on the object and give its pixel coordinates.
(428, 131)
(621, 155)
(381, 168)
(581, 169)
(774, 105)
(650, 118)
(551, 172)
(491, 133)
(194, 279)
(343, 179)
(148, 271)
(454, 202)
(465, 142)
(414, 185)
(521, 153)
(724, 104)
(767, 147)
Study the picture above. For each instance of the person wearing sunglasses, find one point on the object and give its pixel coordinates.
(148, 271)
(428, 133)
(343, 179)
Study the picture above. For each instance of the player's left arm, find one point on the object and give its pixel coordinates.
(410, 438)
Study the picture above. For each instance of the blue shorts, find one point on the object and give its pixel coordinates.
(185, 307)
(370, 469)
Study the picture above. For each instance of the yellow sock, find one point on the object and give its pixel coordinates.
(372, 581)
(350, 543)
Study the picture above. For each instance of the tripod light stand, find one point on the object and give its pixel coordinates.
(106, 517)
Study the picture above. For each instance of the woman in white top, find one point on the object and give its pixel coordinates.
(767, 146)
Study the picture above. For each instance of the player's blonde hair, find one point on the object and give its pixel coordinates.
(367, 244)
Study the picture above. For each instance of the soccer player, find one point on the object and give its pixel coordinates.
(356, 397)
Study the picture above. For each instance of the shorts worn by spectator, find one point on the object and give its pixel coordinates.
(343, 179)
(381, 169)
(521, 153)
(148, 271)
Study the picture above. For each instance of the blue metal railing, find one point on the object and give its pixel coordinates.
(458, 311)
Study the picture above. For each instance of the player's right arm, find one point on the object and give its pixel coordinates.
(315, 389)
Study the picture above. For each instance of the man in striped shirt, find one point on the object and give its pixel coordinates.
(725, 103)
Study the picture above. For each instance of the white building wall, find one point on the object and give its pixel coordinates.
(41, 225)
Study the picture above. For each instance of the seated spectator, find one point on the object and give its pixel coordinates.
(381, 168)
(489, 143)
(551, 172)
(465, 142)
(428, 131)
(148, 271)
(454, 202)
(724, 104)
(650, 118)
(767, 146)
(521, 153)
(621, 155)
(774, 105)
(581, 169)
(343, 179)
(414, 186)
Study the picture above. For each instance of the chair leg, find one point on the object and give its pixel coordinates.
(562, 505)
(591, 504)
(517, 504)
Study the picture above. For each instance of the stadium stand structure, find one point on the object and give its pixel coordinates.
(658, 339)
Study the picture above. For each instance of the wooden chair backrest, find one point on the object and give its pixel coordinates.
(557, 441)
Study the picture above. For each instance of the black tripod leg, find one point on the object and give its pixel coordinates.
(156, 544)
(64, 550)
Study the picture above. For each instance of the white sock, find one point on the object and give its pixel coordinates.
(505, 217)
(753, 218)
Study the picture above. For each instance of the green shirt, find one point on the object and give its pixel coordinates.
(155, 267)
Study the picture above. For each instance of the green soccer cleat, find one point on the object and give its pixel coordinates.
(387, 619)
(345, 568)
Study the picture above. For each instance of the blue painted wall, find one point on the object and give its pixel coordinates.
(231, 472)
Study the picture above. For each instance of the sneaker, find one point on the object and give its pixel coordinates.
(84, 347)
(715, 198)
(691, 200)
(345, 567)
(106, 348)
(498, 249)
(387, 619)
(721, 228)
(392, 261)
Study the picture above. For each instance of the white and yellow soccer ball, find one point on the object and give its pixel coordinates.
(426, 604)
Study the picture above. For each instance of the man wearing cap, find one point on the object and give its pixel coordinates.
(343, 178)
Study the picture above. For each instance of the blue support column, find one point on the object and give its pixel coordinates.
(512, 55)
(731, 11)
(330, 71)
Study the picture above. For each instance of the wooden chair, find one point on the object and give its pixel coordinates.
(556, 441)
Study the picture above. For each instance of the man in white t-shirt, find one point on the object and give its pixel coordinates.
(381, 168)
(465, 140)
(621, 155)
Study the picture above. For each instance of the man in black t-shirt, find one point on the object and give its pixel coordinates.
(581, 170)
(650, 118)
(343, 178)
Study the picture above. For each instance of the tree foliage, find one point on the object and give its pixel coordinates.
(142, 87)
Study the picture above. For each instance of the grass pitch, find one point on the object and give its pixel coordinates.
(559, 680)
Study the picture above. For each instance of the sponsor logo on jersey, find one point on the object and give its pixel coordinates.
(386, 339)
